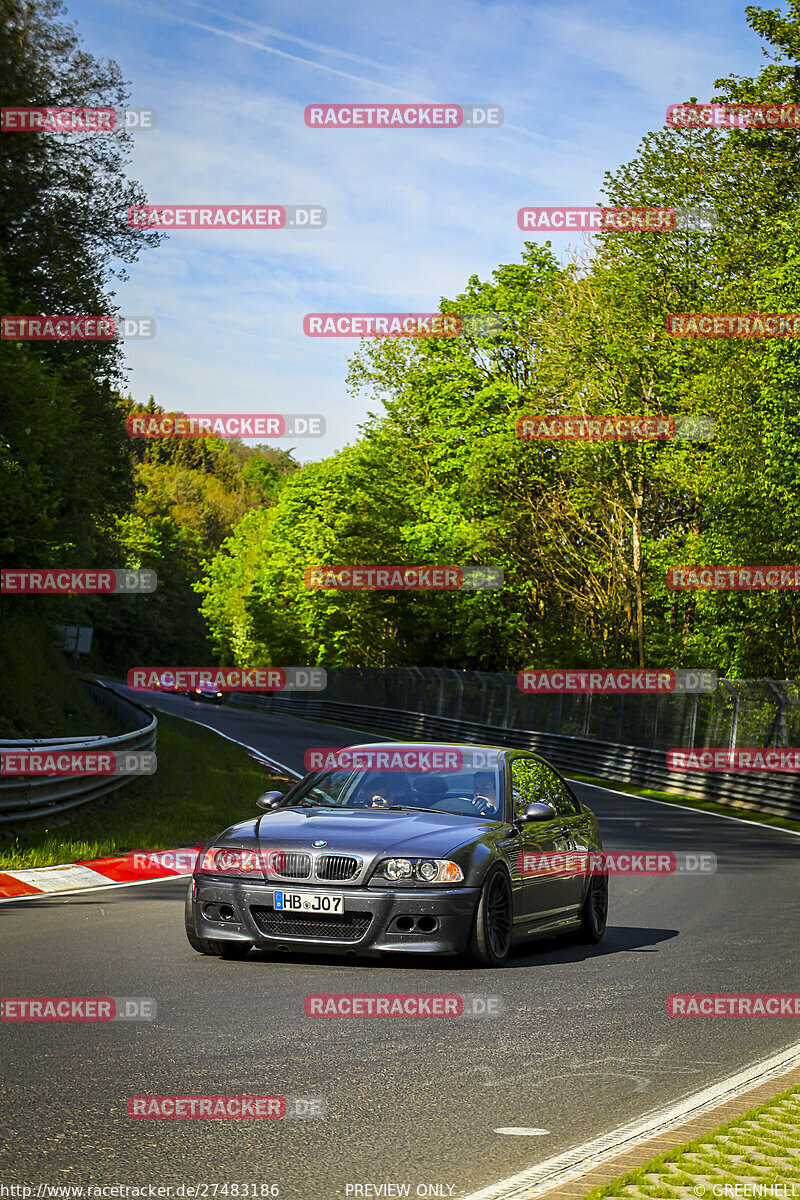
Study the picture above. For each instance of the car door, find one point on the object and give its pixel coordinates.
(575, 830)
(545, 896)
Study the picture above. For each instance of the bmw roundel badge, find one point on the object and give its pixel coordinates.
(319, 843)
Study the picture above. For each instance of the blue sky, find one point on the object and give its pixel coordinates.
(411, 214)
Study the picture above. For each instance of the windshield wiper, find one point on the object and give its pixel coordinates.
(415, 808)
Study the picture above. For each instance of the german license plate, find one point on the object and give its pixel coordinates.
(312, 902)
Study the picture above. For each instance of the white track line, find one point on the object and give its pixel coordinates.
(686, 808)
(574, 1163)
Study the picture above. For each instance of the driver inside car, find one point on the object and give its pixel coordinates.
(390, 789)
(485, 793)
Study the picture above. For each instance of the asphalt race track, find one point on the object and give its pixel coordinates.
(584, 1043)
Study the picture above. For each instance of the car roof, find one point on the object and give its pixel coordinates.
(398, 745)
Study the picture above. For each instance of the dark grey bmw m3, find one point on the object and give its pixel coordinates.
(427, 848)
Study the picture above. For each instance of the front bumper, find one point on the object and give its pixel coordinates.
(429, 921)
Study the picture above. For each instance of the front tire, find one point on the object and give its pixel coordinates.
(231, 949)
(594, 912)
(490, 941)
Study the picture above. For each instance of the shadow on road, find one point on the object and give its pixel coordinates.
(547, 952)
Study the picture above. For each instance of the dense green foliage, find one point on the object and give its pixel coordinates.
(75, 490)
(584, 532)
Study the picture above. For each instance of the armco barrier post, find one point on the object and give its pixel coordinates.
(587, 716)
(654, 733)
(559, 711)
(777, 730)
(506, 702)
(734, 693)
(483, 713)
(406, 673)
(460, 683)
(693, 720)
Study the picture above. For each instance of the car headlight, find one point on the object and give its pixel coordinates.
(227, 861)
(419, 870)
(398, 868)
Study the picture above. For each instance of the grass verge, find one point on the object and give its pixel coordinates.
(760, 1149)
(203, 784)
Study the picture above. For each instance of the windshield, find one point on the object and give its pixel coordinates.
(461, 793)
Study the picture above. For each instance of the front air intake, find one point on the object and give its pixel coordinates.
(338, 867)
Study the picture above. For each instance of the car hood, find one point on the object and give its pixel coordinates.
(370, 833)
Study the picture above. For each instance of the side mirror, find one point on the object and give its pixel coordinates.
(539, 812)
(269, 800)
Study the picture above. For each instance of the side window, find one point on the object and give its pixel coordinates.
(562, 799)
(533, 782)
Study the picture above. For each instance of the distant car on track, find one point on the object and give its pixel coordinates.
(205, 691)
(167, 684)
(366, 861)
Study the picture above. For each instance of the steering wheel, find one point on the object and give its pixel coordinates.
(472, 804)
(363, 802)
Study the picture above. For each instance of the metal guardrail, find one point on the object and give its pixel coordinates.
(643, 766)
(29, 798)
